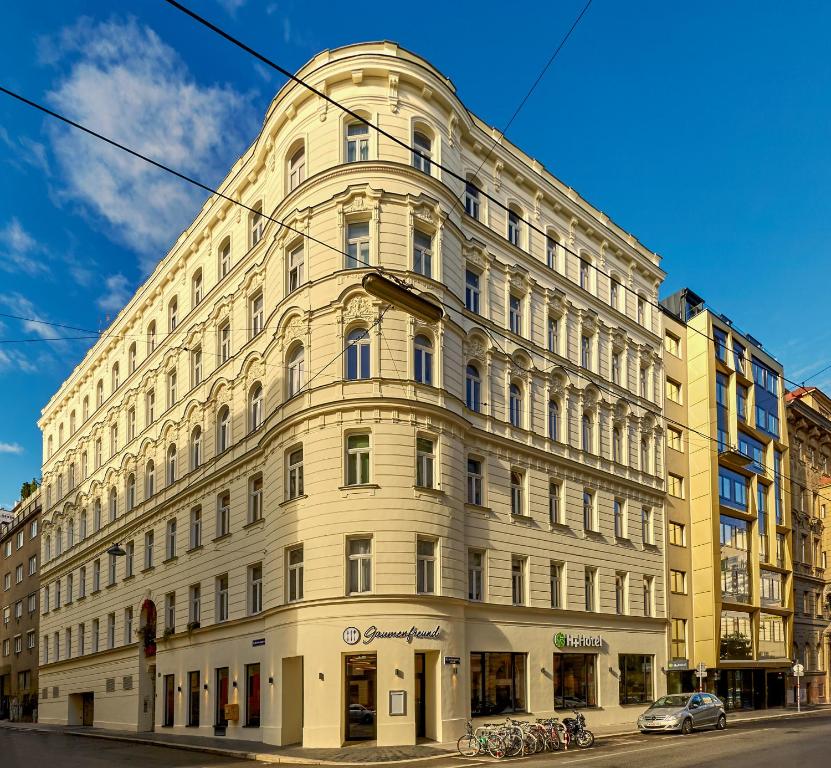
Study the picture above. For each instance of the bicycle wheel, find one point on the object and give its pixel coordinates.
(468, 746)
(513, 744)
(496, 746)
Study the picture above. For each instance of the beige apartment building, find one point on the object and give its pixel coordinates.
(730, 573)
(337, 522)
(809, 426)
(20, 572)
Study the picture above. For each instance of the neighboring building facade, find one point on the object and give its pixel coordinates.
(809, 427)
(737, 549)
(19, 566)
(337, 521)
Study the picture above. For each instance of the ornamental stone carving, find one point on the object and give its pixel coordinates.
(393, 93)
(295, 330)
(360, 307)
(497, 175)
(476, 349)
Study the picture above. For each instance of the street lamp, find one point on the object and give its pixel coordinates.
(402, 298)
(115, 550)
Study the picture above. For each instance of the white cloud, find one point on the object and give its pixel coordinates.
(11, 448)
(116, 295)
(25, 151)
(19, 305)
(231, 6)
(125, 82)
(19, 251)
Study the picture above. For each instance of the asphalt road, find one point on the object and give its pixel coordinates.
(803, 741)
(793, 741)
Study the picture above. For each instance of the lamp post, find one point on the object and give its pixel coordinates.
(115, 550)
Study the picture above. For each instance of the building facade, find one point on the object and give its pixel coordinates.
(19, 565)
(809, 427)
(730, 513)
(339, 523)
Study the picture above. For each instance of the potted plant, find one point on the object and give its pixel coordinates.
(193, 625)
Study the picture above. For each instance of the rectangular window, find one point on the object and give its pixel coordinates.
(679, 638)
(736, 636)
(735, 559)
(672, 344)
(255, 499)
(425, 463)
(94, 637)
(222, 604)
(224, 342)
(196, 366)
(741, 402)
(194, 605)
(555, 508)
(96, 575)
(621, 596)
(171, 389)
(586, 352)
(475, 575)
(675, 486)
(590, 589)
(472, 291)
(556, 578)
(422, 254)
(194, 697)
(677, 534)
(518, 566)
(296, 268)
(148, 549)
(616, 376)
(517, 492)
(619, 512)
(359, 565)
(111, 630)
(111, 570)
(588, 510)
(574, 678)
(635, 681)
(673, 391)
(474, 482)
(294, 567)
(223, 514)
(426, 567)
(170, 539)
(678, 582)
(553, 335)
(732, 489)
(357, 245)
(257, 314)
(294, 484)
(648, 595)
(674, 439)
(128, 625)
(498, 683)
(647, 528)
(357, 459)
(255, 588)
(515, 314)
(196, 527)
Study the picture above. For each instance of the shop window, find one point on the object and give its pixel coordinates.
(252, 695)
(575, 680)
(635, 681)
(497, 683)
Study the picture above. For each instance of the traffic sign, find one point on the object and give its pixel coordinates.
(798, 670)
(701, 670)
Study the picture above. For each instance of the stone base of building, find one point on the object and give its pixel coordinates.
(395, 673)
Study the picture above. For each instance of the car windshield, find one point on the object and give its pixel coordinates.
(674, 700)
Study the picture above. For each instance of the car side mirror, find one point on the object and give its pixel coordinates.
(694, 705)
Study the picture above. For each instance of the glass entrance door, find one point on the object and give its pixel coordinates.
(420, 695)
(361, 704)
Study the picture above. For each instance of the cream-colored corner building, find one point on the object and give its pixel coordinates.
(730, 571)
(809, 425)
(346, 523)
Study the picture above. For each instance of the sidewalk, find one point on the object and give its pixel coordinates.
(360, 755)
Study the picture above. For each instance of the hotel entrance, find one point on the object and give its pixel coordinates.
(361, 697)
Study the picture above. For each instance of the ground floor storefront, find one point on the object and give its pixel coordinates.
(738, 689)
(392, 673)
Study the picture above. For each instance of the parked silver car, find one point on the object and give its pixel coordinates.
(683, 712)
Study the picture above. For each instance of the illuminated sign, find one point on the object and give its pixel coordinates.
(352, 635)
(567, 640)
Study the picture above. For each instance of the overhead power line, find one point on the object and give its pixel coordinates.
(298, 80)
(566, 365)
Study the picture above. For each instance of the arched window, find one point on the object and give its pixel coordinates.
(585, 275)
(59, 542)
(196, 447)
(515, 405)
(113, 504)
(131, 358)
(70, 534)
(472, 206)
(255, 224)
(224, 256)
(644, 455)
(151, 337)
(617, 445)
(473, 388)
(614, 293)
(587, 433)
(60, 434)
(422, 151)
(149, 479)
(72, 423)
(223, 429)
(423, 361)
(130, 501)
(196, 288)
(255, 407)
(297, 168)
(514, 222)
(99, 394)
(551, 251)
(49, 447)
(172, 314)
(553, 420)
(47, 548)
(171, 464)
(295, 368)
(357, 142)
(115, 379)
(85, 408)
(357, 355)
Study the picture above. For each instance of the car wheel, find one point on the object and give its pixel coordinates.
(721, 723)
(686, 727)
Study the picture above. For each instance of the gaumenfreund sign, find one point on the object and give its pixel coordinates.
(352, 635)
(567, 640)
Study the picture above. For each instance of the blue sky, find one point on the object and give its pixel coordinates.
(702, 128)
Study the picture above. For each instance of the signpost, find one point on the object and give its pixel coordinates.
(798, 671)
(701, 673)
